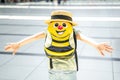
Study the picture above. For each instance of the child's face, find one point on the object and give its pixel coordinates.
(60, 28)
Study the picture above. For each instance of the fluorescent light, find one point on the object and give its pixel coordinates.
(48, 17)
(61, 7)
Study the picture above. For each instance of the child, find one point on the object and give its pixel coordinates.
(60, 45)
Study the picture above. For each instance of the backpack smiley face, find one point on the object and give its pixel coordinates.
(60, 29)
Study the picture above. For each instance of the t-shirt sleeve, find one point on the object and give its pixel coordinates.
(77, 31)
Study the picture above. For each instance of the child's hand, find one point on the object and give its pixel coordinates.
(12, 47)
(101, 47)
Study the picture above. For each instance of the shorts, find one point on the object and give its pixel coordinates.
(62, 75)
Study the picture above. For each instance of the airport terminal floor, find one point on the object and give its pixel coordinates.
(98, 20)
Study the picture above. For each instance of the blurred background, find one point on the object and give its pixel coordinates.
(97, 19)
(58, 2)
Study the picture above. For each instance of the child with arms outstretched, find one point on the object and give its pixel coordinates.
(60, 45)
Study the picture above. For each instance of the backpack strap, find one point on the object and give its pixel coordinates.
(76, 57)
(51, 65)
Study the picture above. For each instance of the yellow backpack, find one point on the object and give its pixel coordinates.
(53, 51)
(64, 56)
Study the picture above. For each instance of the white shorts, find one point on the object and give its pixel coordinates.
(62, 75)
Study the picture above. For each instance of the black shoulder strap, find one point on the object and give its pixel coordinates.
(51, 65)
(76, 57)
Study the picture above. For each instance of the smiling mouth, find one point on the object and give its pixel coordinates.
(60, 32)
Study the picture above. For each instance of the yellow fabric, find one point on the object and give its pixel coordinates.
(66, 30)
(62, 64)
(60, 39)
(60, 44)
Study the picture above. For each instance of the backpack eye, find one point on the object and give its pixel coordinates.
(64, 25)
(56, 24)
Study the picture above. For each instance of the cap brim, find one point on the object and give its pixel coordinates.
(49, 21)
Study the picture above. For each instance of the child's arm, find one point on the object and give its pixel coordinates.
(99, 46)
(15, 46)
